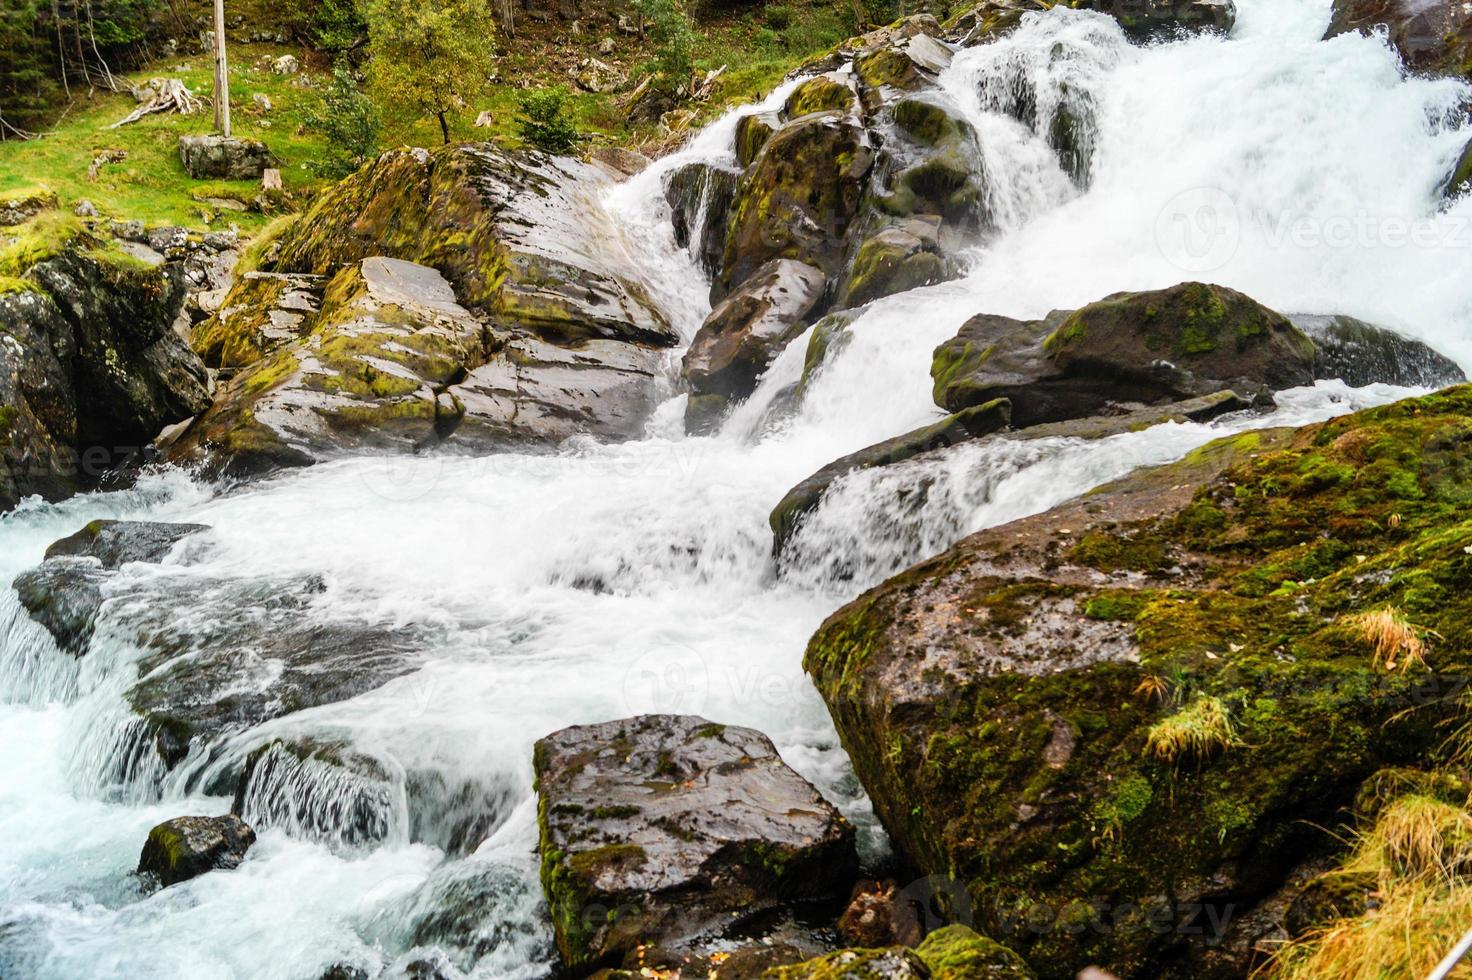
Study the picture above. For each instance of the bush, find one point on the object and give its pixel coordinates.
(350, 121)
(779, 17)
(542, 122)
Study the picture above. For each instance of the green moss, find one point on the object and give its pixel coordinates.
(37, 240)
(820, 94)
(1124, 606)
(957, 953)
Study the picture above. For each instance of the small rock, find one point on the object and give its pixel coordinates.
(607, 46)
(187, 847)
(878, 915)
(85, 209)
(597, 76)
(262, 101)
(485, 120)
(286, 65)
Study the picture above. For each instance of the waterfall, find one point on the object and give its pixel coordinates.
(607, 580)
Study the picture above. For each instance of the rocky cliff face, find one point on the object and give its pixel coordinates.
(90, 366)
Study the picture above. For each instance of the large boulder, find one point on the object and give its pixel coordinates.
(675, 831)
(187, 847)
(214, 157)
(463, 299)
(1141, 348)
(1360, 353)
(798, 198)
(1431, 35)
(1117, 724)
(91, 368)
(745, 333)
(700, 197)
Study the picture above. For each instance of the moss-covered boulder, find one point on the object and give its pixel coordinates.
(1334, 895)
(187, 847)
(1118, 723)
(1432, 36)
(799, 197)
(1148, 348)
(893, 261)
(746, 332)
(675, 831)
(893, 963)
(958, 953)
(752, 133)
(261, 312)
(824, 93)
(90, 368)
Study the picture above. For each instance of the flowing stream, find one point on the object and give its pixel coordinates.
(604, 581)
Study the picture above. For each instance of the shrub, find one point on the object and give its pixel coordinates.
(669, 27)
(779, 17)
(350, 121)
(542, 122)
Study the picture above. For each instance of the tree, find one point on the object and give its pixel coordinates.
(349, 120)
(669, 27)
(542, 122)
(429, 56)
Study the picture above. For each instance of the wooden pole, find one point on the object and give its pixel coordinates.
(222, 75)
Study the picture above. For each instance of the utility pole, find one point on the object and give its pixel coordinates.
(222, 76)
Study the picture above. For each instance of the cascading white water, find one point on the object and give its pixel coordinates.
(610, 580)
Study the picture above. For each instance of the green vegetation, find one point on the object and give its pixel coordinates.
(431, 57)
(668, 26)
(543, 123)
(349, 122)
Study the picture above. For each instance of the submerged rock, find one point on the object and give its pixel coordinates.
(64, 593)
(1360, 353)
(1142, 348)
(1154, 18)
(1117, 723)
(700, 197)
(187, 847)
(675, 831)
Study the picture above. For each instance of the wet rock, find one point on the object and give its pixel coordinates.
(746, 332)
(857, 964)
(1141, 348)
(262, 312)
(752, 133)
(90, 370)
(1154, 18)
(799, 197)
(1431, 35)
(1330, 896)
(1238, 567)
(474, 908)
(64, 595)
(187, 847)
(893, 261)
(115, 543)
(968, 424)
(1459, 181)
(1360, 353)
(621, 163)
(213, 157)
(700, 199)
(958, 953)
(318, 791)
(65, 592)
(991, 19)
(673, 830)
(824, 93)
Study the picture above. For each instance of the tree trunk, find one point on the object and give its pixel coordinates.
(222, 73)
(444, 128)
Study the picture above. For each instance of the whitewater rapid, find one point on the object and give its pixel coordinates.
(604, 581)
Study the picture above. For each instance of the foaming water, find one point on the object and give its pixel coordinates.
(535, 592)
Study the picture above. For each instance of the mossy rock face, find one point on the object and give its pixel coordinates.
(752, 133)
(1150, 348)
(825, 93)
(1003, 702)
(894, 963)
(262, 312)
(799, 197)
(676, 832)
(893, 261)
(510, 234)
(1431, 37)
(187, 847)
(96, 370)
(958, 953)
(19, 207)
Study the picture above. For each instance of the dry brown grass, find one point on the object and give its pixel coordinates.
(1396, 642)
(1199, 730)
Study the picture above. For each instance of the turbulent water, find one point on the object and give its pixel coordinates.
(604, 581)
